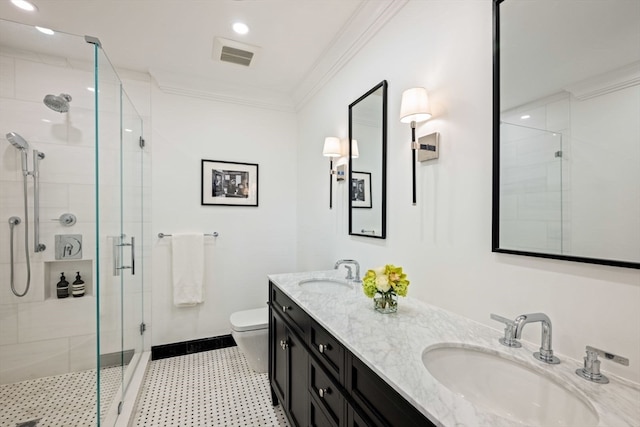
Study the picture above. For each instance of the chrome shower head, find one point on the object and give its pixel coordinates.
(17, 141)
(59, 103)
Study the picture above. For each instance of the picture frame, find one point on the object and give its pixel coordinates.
(360, 191)
(226, 183)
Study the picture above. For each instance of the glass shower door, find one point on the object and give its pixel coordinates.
(132, 221)
(119, 196)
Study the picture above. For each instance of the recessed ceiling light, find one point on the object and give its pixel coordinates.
(240, 28)
(25, 5)
(525, 117)
(46, 31)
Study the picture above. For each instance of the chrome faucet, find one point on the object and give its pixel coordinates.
(546, 353)
(349, 270)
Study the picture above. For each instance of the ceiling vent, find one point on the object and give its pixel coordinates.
(226, 50)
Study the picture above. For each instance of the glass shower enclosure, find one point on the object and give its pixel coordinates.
(68, 350)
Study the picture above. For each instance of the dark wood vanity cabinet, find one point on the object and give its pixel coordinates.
(320, 383)
(288, 364)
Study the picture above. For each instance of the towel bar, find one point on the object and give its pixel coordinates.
(214, 234)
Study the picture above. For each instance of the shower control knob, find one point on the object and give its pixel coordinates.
(66, 219)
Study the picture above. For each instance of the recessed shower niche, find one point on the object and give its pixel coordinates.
(53, 269)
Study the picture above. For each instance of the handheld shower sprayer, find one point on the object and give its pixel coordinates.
(22, 145)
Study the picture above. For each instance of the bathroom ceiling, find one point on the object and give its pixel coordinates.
(300, 41)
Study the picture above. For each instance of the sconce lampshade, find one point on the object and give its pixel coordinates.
(415, 105)
(354, 149)
(332, 147)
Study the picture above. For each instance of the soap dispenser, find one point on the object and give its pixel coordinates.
(77, 287)
(62, 287)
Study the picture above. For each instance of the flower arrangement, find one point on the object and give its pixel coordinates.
(383, 284)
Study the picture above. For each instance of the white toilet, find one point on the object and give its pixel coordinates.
(250, 330)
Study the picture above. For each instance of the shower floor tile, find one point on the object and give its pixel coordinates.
(212, 388)
(67, 400)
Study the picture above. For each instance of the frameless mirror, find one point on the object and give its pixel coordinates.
(566, 150)
(368, 164)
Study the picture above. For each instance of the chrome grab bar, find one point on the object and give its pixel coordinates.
(162, 235)
(37, 246)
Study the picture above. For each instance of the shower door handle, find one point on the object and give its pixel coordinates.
(116, 256)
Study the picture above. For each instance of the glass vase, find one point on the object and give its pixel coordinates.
(385, 302)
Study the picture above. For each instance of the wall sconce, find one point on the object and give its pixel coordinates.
(332, 149)
(355, 153)
(415, 109)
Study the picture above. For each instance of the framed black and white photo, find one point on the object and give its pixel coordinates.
(360, 189)
(229, 183)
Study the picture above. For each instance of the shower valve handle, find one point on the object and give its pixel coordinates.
(66, 219)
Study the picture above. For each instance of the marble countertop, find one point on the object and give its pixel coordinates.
(392, 346)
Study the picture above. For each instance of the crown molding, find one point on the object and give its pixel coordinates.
(362, 25)
(366, 21)
(605, 83)
(174, 84)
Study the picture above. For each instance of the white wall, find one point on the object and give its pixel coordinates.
(444, 242)
(605, 162)
(253, 241)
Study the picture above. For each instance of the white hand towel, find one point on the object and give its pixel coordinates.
(188, 268)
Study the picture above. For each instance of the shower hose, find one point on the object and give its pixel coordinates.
(13, 221)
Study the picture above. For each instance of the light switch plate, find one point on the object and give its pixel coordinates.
(428, 147)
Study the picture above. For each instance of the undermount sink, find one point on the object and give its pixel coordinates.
(325, 286)
(506, 387)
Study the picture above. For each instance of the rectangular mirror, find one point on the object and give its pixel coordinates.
(368, 164)
(566, 149)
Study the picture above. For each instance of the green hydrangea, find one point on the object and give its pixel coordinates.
(369, 284)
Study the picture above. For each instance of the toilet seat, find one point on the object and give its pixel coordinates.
(250, 320)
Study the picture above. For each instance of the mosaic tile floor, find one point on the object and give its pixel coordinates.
(212, 388)
(67, 400)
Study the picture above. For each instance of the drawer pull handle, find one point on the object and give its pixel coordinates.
(322, 348)
(322, 392)
(285, 308)
(284, 344)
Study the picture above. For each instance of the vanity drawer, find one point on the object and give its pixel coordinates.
(290, 311)
(328, 350)
(378, 401)
(317, 417)
(325, 392)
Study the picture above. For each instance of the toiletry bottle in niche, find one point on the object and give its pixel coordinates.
(62, 288)
(77, 287)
